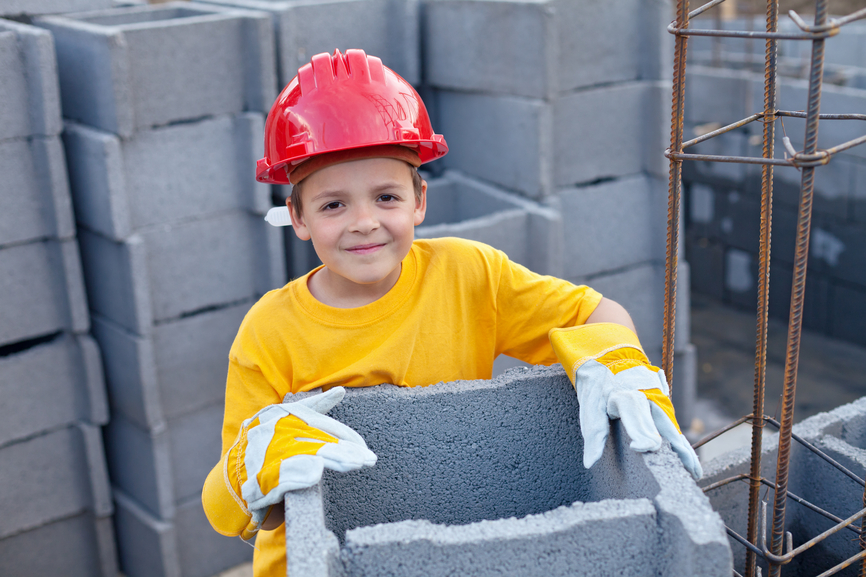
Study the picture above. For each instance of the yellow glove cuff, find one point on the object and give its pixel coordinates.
(611, 344)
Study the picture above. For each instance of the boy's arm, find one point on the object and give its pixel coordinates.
(609, 311)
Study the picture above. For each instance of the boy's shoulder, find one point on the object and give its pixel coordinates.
(458, 249)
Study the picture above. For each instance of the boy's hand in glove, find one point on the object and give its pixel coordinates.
(279, 449)
(614, 379)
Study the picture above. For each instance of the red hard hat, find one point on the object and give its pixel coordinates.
(344, 102)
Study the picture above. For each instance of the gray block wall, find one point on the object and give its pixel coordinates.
(486, 477)
(164, 117)
(388, 29)
(723, 200)
(568, 104)
(56, 494)
(841, 434)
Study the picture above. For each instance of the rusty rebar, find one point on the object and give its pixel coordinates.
(863, 538)
(801, 253)
(769, 133)
(678, 98)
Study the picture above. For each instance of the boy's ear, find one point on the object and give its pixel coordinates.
(421, 204)
(298, 225)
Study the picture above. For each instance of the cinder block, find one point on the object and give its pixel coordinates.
(640, 289)
(78, 546)
(163, 273)
(34, 191)
(810, 478)
(388, 29)
(847, 321)
(601, 133)
(858, 190)
(608, 226)
(717, 95)
(159, 468)
(529, 233)
(166, 175)
(186, 546)
(36, 7)
(28, 81)
(42, 290)
(838, 248)
(51, 385)
(511, 501)
(534, 49)
(502, 139)
(127, 69)
(684, 387)
(707, 262)
(179, 368)
(58, 474)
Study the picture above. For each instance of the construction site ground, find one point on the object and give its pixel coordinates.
(830, 372)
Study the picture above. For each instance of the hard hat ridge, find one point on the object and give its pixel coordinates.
(344, 102)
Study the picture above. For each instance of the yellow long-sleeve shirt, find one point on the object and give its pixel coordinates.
(457, 305)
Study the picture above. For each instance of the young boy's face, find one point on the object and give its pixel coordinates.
(361, 216)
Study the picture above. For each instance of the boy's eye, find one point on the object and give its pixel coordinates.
(387, 198)
(331, 206)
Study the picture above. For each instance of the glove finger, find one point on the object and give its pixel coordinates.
(633, 409)
(345, 456)
(323, 402)
(679, 443)
(326, 424)
(591, 380)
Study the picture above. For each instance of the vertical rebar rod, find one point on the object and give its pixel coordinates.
(863, 537)
(763, 283)
(674, 189)
(807, 184)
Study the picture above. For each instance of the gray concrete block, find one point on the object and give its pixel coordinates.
(78, 546)
(166, 272)
(502, 139)
(809, 478)
(67, 371)
(684, 386)
(529, 233)
(388, 29)
(126, 69)
(599, 133)
(640, 289)
(37, 7)
(608, 226)
(858, 189)
(42, 290)
(147, 546)
(718, 95)
(34, 191)
(165, 175)
(28, 89)
(534, 49)
(508, 501)
(57, 474)
(204, 552)
(846, 317)
(160, 468)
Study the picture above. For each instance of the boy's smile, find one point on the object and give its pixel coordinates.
(361, 216)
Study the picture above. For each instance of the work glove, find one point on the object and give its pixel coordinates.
(281, 448)
(615, 380)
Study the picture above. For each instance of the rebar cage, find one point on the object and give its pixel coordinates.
(776, 555)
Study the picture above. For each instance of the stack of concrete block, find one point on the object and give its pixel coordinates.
(56, 499)
(723, 219)
(841, 434)
(487, 478)
(384, 28)
(25, 9)
(165, 113)
(568, 103)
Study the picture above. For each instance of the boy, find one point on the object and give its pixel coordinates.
(349, 134)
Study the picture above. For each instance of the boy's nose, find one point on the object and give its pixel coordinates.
(365, 220)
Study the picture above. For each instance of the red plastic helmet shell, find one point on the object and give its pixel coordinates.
(342, 102)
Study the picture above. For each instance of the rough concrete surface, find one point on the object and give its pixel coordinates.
(482, 477)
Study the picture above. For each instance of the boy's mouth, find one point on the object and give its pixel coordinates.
(365, 248)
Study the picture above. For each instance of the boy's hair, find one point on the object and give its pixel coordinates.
(296, 191)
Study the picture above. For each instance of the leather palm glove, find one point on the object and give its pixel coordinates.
(281, 448)
(615, 380)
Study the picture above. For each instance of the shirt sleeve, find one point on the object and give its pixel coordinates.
(528, 305)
